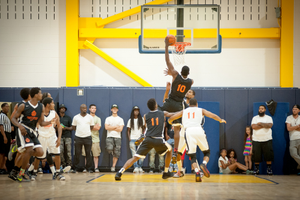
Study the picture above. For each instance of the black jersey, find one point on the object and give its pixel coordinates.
(155, 124)
(180, 87)
(21, 116)
(31, 114)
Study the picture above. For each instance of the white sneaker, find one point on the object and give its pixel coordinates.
(66, 169)
(136, 170)
(112, 169)
(141, 170)
(96, 170)
(84, 171)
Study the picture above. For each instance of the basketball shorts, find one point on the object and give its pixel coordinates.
(194, 137)
(28, 140)
(171, 105)
(49, 143)
(160, 145)
(263, 149)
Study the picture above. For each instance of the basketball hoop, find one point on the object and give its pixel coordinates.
(178, 51)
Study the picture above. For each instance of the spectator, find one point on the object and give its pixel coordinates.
(225, 167)
(95, 138)
(232, 158)
(293, 126)
(114, 126)
(83, 123)
(161, 158)
(262, 139)
(66, 138)
(5, 129)
(169, 136)
(135, 128)
(248, 147)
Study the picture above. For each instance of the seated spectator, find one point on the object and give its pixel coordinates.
(225, 167)
(232, 158)
(135, 128)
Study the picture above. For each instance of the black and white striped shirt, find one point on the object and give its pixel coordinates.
(4, 120)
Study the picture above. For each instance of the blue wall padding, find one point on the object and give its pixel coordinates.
(211, 128)
(280, 137)
(236, 117)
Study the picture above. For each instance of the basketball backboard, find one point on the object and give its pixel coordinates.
(197, 24)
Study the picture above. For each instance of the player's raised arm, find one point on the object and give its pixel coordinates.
(213, 116)
(170, 66)
(168, 88)
(174, 116)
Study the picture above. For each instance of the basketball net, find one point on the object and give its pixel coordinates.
(178, 52)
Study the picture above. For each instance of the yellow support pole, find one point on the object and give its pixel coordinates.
(116, 64)
(128, 13)
(72, 52)
(286, 43)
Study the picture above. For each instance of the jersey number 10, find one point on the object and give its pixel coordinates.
(189, 115)
(152, 120)
(181, 88)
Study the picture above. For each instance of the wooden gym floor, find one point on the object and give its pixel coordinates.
(151, 186)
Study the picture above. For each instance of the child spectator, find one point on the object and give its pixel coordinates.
(248, 147)
(232, 158)
(225, 167)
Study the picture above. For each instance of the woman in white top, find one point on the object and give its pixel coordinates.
(135, 128)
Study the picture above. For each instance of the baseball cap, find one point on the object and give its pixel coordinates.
(62, 106)
(136, 107)
(114, 106)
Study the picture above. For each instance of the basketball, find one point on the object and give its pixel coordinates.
(172, 39)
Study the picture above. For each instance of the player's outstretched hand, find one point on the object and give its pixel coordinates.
(167, 41)
(223, 121)
(167, 72)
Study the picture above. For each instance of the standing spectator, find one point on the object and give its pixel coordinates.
(66, 138)
(248, 147)
(83, 123)
(135, 128)
(293, 126)
(114, 126)
(95, 136)
(5, 129)
(262, 139)
(161, 159)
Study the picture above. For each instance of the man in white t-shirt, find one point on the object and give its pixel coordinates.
(293, 126)
(114, 126)
(262, 139)
(83, 123)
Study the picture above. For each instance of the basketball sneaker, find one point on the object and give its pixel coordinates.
(112, 169)
(13, 175)
(167, 175)
(33, 175)
(205, 170)
(22, 178)
(58, 176)
(40, 171)
(139, 140)
(84, 171)
(178, 174)
(66, 169)
(96, 170)
(269, 171)
(256, 171)
(13, 149)
(198, 177)
(118, 176)
(151, 170)
(141, 170)
(136, 170)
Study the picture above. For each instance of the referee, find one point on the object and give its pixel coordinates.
(5, 129)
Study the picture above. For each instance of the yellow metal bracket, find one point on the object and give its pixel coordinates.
(115, 63)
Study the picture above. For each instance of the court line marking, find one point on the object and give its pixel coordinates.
(95, 178)
(268, 180)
